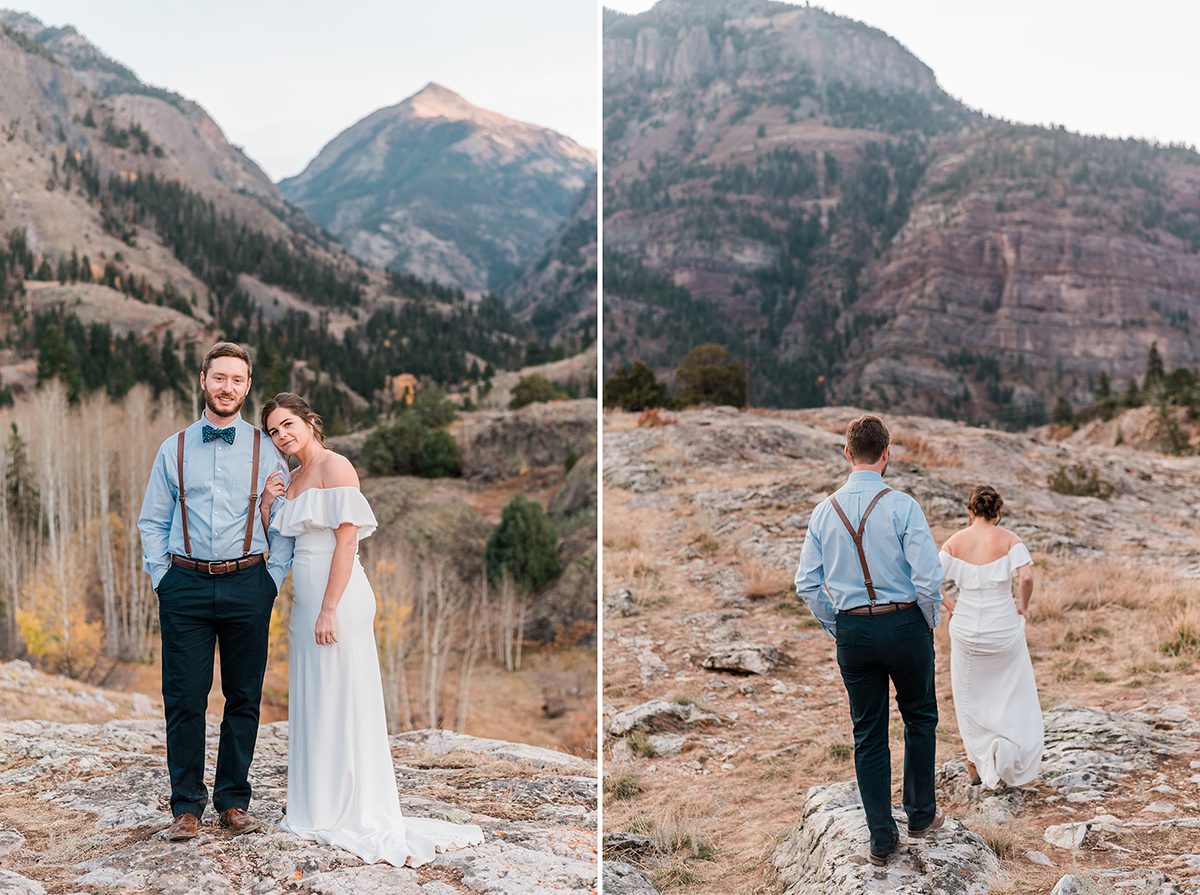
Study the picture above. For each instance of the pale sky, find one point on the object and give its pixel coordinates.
(282, 79)
(1112, 69)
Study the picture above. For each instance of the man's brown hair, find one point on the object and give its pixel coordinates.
(867, 438)
(226, 349)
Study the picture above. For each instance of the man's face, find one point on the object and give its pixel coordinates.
(225, 386)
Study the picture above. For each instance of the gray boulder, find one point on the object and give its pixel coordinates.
(826, 854)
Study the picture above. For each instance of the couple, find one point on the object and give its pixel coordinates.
(870, 573)
(221, 523)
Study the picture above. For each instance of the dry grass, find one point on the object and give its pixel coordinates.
(918, 449)
(623, 787)
(1181, 632)
(652, 416)
(763, 581)
(1000, 838)
(1071, 584)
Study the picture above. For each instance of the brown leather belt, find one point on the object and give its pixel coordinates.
(878, 609)
(217, 566)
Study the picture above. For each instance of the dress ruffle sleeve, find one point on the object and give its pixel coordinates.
(997, 572)
(318, 509)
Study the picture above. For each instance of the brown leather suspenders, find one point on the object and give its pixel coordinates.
(253, 497)
(858, 538)
(187, 541)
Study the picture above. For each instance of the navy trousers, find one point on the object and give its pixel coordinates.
(871, 650)
(197, 612)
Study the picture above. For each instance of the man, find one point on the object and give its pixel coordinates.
(870, 573)
(204, 550)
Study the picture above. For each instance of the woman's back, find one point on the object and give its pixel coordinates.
(981, 544)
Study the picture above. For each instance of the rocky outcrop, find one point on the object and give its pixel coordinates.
(625, 879)
(746, 658)
(684, 44)
(658, 715)
(1089, 751)
(506, 444)
(826, 854)
(109, 784)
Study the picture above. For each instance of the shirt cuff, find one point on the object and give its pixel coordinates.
(157, 573)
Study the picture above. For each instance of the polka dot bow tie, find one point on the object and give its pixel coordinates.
(212, 434)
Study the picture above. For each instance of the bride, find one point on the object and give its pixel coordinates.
(995, 696)
(341, 787)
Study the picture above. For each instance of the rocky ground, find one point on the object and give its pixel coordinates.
(85, 806)
(728, 743)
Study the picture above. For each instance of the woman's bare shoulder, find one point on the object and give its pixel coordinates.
(337, 471)
(953, 541)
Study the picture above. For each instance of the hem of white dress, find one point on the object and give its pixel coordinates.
(466, 840)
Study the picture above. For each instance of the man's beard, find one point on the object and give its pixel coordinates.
(211, 405)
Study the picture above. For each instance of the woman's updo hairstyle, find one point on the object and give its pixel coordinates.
(985, 502)
(298, 406)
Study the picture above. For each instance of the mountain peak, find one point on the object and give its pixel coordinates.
(435, 101)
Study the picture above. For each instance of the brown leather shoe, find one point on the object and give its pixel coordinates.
(238, 821)
(935, 824)
(186, 826)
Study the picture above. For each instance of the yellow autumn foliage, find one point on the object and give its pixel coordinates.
(54, 624)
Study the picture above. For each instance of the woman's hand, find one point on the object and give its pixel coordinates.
(326, 631)
(274, 488)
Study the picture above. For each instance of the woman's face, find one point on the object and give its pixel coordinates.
(289, 432)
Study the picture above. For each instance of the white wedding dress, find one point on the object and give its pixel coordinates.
(341, 782)
(991, 675)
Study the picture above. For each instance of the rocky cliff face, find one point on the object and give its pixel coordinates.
(796, 185)
(445, 190)
(85, 809)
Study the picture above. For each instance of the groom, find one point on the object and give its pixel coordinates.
(870, 573)
(206, 551)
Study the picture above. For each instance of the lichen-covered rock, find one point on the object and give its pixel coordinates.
(14, 884)
(536, 807)
(826, 854)
(619, 603)
(746, 658)
(624, 879)
(659, 715)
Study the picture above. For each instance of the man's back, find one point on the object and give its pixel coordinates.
(898, 545)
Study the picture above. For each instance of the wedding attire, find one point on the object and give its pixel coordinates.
(991, 674)
(341, 782)
(203, 547)
(869, 572)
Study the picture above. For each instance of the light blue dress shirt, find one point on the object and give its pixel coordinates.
(901, 554)
(217, 477)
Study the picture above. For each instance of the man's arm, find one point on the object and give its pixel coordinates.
(154, 522)
(810, 580)
(279, 547)
(922, 555)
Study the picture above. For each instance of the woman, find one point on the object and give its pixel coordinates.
(995, 696)
(341, 783)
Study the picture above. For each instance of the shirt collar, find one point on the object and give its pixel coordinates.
(863, 477)
(205, 421)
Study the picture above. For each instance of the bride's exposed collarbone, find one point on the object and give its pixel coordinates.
(317, 488)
